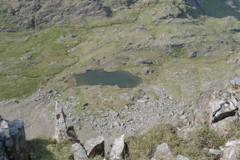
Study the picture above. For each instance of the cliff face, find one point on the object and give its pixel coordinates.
(37, 14)
(12, 140)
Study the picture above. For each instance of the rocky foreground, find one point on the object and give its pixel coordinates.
(218, 109)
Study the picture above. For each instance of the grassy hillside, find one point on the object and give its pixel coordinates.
(189, 53)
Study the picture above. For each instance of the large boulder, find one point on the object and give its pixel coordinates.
(12, 140)
(163, 152)
(95, 146)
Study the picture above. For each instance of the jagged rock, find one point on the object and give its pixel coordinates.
(78, 152)
(12, 140)
(231, 150)
(147, 61)
(37, 14)
(218, 107)
(60, 127)
(193, 55)
(163, 152)
(221, 119)
(119, 149)
(95, 146)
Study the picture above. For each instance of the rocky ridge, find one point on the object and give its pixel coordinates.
(32, 14)
(22, 15)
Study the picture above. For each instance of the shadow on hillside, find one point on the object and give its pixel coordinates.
(214, 8)
(37, 149)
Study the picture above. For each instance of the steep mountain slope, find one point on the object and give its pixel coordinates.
(21, 15)
(179, 48)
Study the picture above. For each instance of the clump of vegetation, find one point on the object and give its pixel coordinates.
(47, 149)
(144, 146)
(234, 132)
(204, 137)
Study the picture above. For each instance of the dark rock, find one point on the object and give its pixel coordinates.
(85, 104)
(146, 61)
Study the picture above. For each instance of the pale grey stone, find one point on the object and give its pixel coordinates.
(214, 151)
(119, 149)
(231, 150)
(162, 151)
(181, 157)
(78, 152)
(95, 146)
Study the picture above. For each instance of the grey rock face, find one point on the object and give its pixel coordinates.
(95, 146)
(37, 14)
(219, 106)
(12, 140)
(119, 149)
(231, 150)
(78, 152)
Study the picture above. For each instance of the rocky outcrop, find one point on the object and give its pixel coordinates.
(20, 15)
(12, 140)
(60, 126)
(95, 146)
(218, 107)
